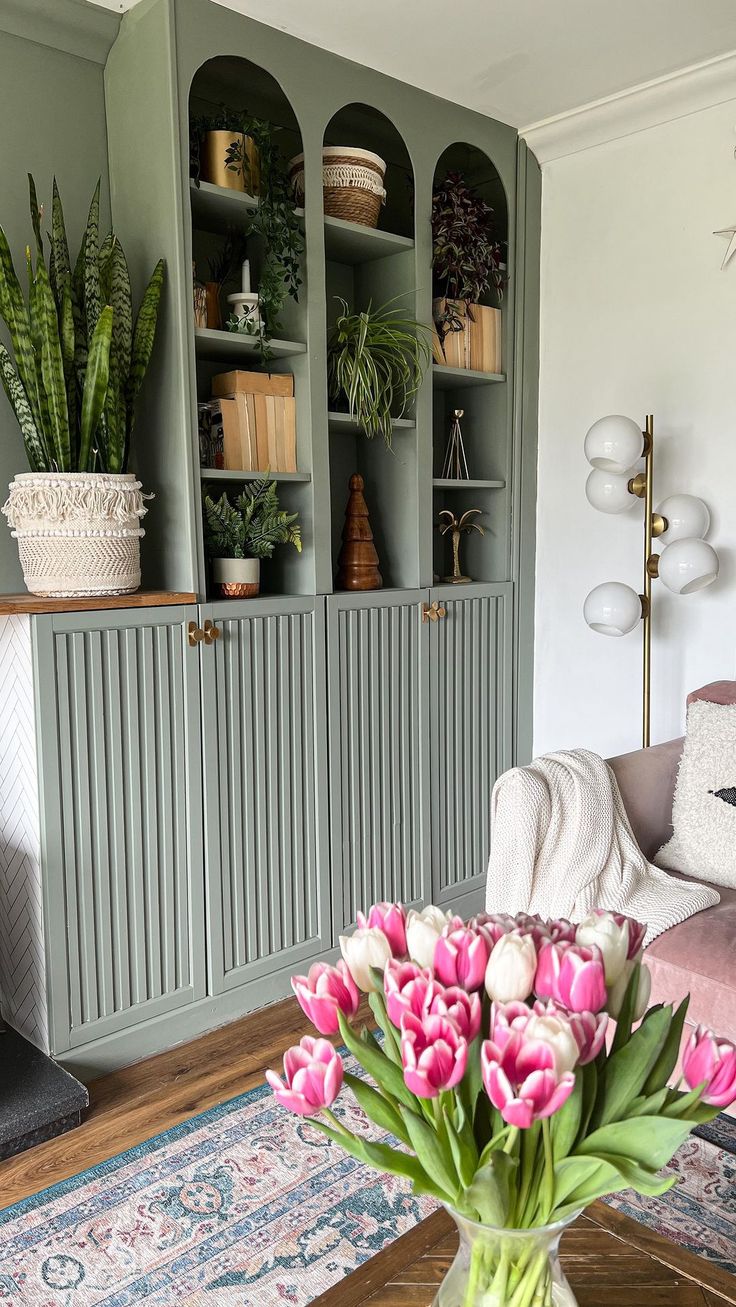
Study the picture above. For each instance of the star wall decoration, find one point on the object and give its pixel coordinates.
(731, 250)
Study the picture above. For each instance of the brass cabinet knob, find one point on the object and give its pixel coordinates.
(195, 635)
(211, 632)
(433, 612)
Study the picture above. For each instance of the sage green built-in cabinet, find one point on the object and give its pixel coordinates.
(215, 811)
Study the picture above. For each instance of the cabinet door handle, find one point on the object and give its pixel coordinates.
(433, 612)
(211, 632)
(195, 635)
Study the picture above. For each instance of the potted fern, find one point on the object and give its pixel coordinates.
(80, 360)
(239, 535)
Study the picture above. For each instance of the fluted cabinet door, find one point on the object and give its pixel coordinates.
(117, 697)
(265, 771)
(378, 749)
(470, 739)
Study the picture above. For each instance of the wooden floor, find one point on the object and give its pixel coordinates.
(609, 1259)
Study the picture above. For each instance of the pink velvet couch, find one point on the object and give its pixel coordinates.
(696, 957)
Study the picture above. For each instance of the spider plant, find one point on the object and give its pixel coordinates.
(376, 361)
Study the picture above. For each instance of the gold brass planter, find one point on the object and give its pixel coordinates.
(231, 159)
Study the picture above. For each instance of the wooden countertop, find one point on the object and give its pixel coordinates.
(27, 603)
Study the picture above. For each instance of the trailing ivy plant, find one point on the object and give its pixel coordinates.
(274, 220)
(79, 358)
(466, 255)
(375, 362)
(253, 526)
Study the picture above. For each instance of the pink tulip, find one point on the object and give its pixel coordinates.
(391, 919)
(492, 925)
(462, 1008)
(324, 992)
(526, 924)
(521, 1072)
(561, 930)
(572, 975)
(589, 1028)
(434, 1054)
(408, 988)
(637, 931)
(461, 957)
(711, 1061)
(312, 1080)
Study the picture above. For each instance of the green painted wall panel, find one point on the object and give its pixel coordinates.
(53, 121)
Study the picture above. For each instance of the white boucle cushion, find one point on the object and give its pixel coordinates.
(703, 843)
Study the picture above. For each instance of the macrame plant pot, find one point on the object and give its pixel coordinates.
(78, 533)
(352, 183)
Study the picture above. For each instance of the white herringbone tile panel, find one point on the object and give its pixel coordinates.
(22, 962)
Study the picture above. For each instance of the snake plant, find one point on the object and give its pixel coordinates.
(79, 358)
(376, 361)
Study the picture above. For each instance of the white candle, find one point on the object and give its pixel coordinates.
(246, 277)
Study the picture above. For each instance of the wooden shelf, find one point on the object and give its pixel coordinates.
(457, 378)
(26, 603)
(229, 474)
(222, 346)
(214, 208)
(445, 483)
(345, 424)
(351, 242)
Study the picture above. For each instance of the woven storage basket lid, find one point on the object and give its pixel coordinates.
(330, 152)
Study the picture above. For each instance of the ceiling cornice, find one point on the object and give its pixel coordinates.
(698, 87)
(71, 25)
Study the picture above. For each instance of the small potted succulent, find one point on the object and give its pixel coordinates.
(375, 364)
(79, 361)
(240, 534)
(466, 266)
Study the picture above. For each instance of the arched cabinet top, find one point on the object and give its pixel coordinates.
(248, 89)
(481, 174)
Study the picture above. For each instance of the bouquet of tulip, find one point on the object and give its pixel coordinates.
(503, 1091)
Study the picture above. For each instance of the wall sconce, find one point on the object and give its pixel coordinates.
(613, 446)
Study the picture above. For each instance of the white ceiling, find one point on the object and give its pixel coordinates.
(518, 60)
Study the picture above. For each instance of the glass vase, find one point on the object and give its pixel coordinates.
(506, 1268)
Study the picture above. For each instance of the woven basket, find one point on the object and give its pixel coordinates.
(352, 183)
(78, 533)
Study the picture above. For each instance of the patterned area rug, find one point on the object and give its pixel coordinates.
(699, 1213)
(247, 1206)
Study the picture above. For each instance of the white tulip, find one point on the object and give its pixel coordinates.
(423, 929)
(602, 930)
(511, 969)
(616, 992)
(557, 1033)
(365, 948)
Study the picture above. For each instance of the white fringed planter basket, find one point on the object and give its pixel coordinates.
(78, 533)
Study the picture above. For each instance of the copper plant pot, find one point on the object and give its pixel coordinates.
(237, 578)
(214, 312)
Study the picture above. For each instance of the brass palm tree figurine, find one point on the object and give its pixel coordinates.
(459, 526)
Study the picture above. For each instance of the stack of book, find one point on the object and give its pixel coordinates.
(258, 421)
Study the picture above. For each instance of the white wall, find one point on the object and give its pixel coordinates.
(636, 317)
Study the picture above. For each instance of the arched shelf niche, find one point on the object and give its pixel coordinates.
(229, 91)
(479, 394)
(366, 266)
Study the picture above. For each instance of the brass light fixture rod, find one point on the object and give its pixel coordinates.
(647, 596)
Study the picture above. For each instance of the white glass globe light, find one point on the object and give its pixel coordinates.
(687, 518)
(609, 491)
(614, 443)
(612, 608)
(688, 565)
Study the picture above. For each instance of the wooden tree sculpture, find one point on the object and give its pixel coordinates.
(357, 565)
(459, 526)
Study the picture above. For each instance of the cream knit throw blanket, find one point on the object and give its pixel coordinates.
(561, 844)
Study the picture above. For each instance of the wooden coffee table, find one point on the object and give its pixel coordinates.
(610, 1260)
